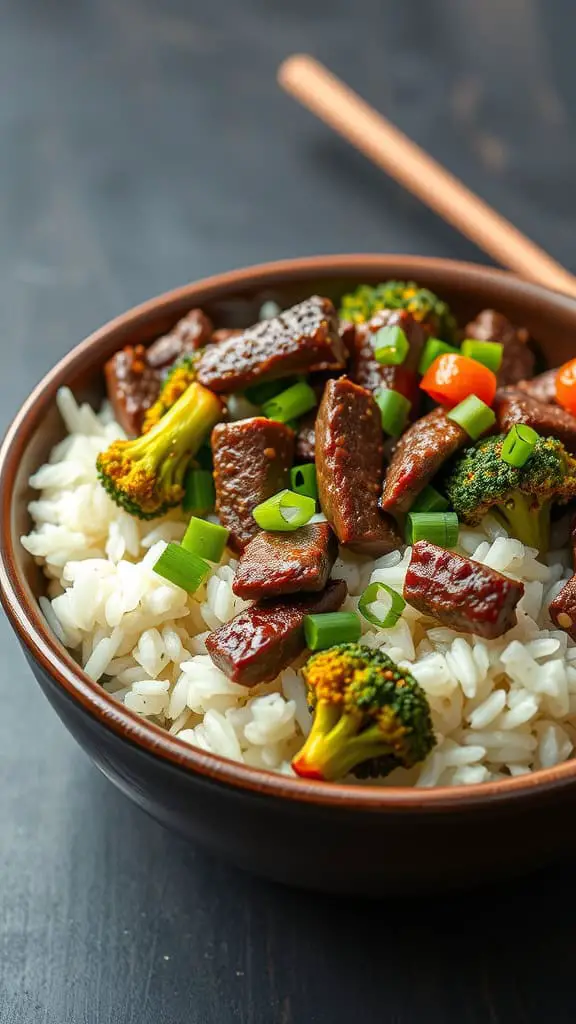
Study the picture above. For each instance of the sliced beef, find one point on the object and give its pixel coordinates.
(306, 438)
(274, 564)
(299, 340)
(459, 592)
(517, 356)
(252, 461)
(542, 387)
(349, 453)
(132, 387)
(189, 334)
(514, 406)
(418, 456)
(263, 640)
(366, 371)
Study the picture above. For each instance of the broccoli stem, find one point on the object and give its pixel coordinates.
(335, 745)
(529, 525)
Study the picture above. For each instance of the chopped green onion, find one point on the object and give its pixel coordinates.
(473, 415)
(258, 394)
(394, 409)
(489, 353)
(290, 404)
(183, 568)
(438, 527)
(432, 349)
(519, 445)
(205, 539)
(322, 631)
(303, 480)
(391, 346)
(268, 310)
(199, 496)
(381, 605)
(284, 511)
(430, 500)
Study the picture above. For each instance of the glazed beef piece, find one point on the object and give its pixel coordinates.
(189, 334)
(517, 357)
(132, 387)
(418, 456)
(306, 438)
(349, 452)
(461, 593)
(252, 461)
(542, 387)
(263, 640)
(299, 340)
(366, 371)
(274, 564)
(514, 406)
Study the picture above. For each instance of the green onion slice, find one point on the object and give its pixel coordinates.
(473, 415)
(205, 539)
(430, 500)
(432, 349)
(489, 353)
(437, 527)
(290, 404)
(199, 495)
(391, 346)
(183, 568)
(323, 631)
(519, 445)
(260, 393)
(303, 480)
(394, 409)
(381, 605)
(284, 511)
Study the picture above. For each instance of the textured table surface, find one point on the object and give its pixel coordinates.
(143, 143)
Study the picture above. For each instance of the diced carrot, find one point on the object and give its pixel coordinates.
(452, 377)
(566, 386)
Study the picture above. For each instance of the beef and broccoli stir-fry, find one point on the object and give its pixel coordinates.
(375, 426)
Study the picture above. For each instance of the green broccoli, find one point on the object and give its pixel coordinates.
(178, 378)
(480, 481)
(367, 712)
(365, 301)
(146, 476)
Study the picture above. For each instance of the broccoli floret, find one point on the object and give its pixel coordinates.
(179, 377)
(146, 476)
(480, 481)
(365, 301)
(367, 712)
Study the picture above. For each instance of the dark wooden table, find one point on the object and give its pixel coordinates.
(143, 143)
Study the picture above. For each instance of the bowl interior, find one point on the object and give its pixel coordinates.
(234, 300)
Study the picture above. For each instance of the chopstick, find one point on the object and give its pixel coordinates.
(337, 105)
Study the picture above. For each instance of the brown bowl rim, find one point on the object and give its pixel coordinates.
(33, 631)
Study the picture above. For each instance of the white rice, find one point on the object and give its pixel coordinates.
(500, 708)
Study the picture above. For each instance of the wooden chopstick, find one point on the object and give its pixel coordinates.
(336, 104)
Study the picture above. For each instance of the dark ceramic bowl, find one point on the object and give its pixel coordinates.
(330, 837)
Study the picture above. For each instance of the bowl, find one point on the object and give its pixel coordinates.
(336, 838)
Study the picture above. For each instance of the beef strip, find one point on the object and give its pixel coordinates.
(306, 438)
(189, 334)
(252, 461)
(460, 593)
(563, 608)
(349, 447)
(513, 406)
(263, 640)
(418, 456)
(274, 564)
(132, 387)
(517, 356)
(372, 375)
(299, 340)
(542, 387)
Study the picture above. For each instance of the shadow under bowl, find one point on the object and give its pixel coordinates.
(354, 839)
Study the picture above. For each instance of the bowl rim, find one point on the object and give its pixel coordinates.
(34, 633)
